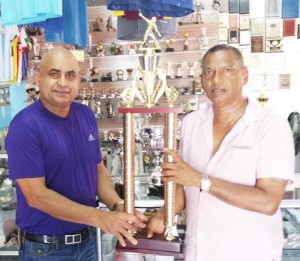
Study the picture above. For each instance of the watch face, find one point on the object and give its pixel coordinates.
(205, 184)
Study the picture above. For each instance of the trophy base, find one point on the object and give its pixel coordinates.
(37, 58)
(170, 50)
(157, 245)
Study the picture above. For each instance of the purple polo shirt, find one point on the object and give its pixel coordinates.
(66, 151)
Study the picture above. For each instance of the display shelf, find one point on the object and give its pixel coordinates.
(3, 156)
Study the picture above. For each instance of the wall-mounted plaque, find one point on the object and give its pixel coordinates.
(257, 26)
(257, 44)
(290, 9)
(233, 21)
(273, 8)
(223, 34)
(244, 22)
(289, 27)
(233, 35)
(285, 81)
(273, 27)
(244, 7)
(274, 45)
(245, 37)
(233, 6)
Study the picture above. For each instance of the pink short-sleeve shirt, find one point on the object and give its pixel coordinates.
(260, 145)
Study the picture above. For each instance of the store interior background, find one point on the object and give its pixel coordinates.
(280, 101)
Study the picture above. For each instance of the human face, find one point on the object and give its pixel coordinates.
(223, 77)
(58, 80)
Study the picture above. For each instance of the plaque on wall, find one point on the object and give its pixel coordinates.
(289, 27)
(244, 7)
(285, 81)
(290, 9)
(233, 35)
(273, 27)
(233, 6)
(274, 45)
(245, 38)
(257, 44)
(273, 8)
(244, 22)
(224, 6)
(257, 26)
(233, 21)
(223, 34)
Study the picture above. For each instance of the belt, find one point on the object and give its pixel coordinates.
(66, 239)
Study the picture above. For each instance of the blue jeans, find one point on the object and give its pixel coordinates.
(84, 251)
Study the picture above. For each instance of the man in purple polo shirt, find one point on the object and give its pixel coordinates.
(54, 155)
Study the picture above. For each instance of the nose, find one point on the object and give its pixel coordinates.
(216, 76)
(62, 80)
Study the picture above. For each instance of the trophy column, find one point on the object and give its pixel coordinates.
(129, 148)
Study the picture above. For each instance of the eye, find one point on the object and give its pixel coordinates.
(228, 70)
(70, 76)
(207, 72)
(54, 75)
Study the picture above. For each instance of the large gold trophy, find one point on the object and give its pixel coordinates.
(148, 85)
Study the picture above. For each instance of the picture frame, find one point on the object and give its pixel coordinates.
(273, 8)
(233, 6)
(289, 27)
(290, 9)
(233, 21)
(257, 45)
(273, 28)
(244, 7)
(284, 81)
(233, 36)
(274, 45)
(262, 81)
(223, 34)
(257, 26)
(245, 37)
(244, 22)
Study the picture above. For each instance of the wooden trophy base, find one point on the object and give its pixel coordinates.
(157, 245)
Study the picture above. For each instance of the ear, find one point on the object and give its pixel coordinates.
(245, 75)
(37, 77)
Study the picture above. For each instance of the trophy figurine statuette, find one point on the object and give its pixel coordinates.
(148, 85)
(36, 49)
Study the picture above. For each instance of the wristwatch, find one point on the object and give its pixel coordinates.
(205, 183)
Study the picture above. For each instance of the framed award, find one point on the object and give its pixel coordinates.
(274, 45)
(289, 27)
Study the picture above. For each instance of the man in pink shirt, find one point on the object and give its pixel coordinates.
(235, 162)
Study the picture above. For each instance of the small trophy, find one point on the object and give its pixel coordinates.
(100, 49)
(109, 25)
(94, 74)
(191, 66)
(36, 49)
(97, 24)
(204, 39)
(169, 71)
(186, 42)
(178, 67)
(169, 43)
(132, 48)
(129, 72)
(119, 74)
(262, 99)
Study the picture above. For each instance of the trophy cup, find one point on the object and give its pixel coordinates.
(191, 66)
(36, 49)
(169, 43)
(178, 67)
(148, 90)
